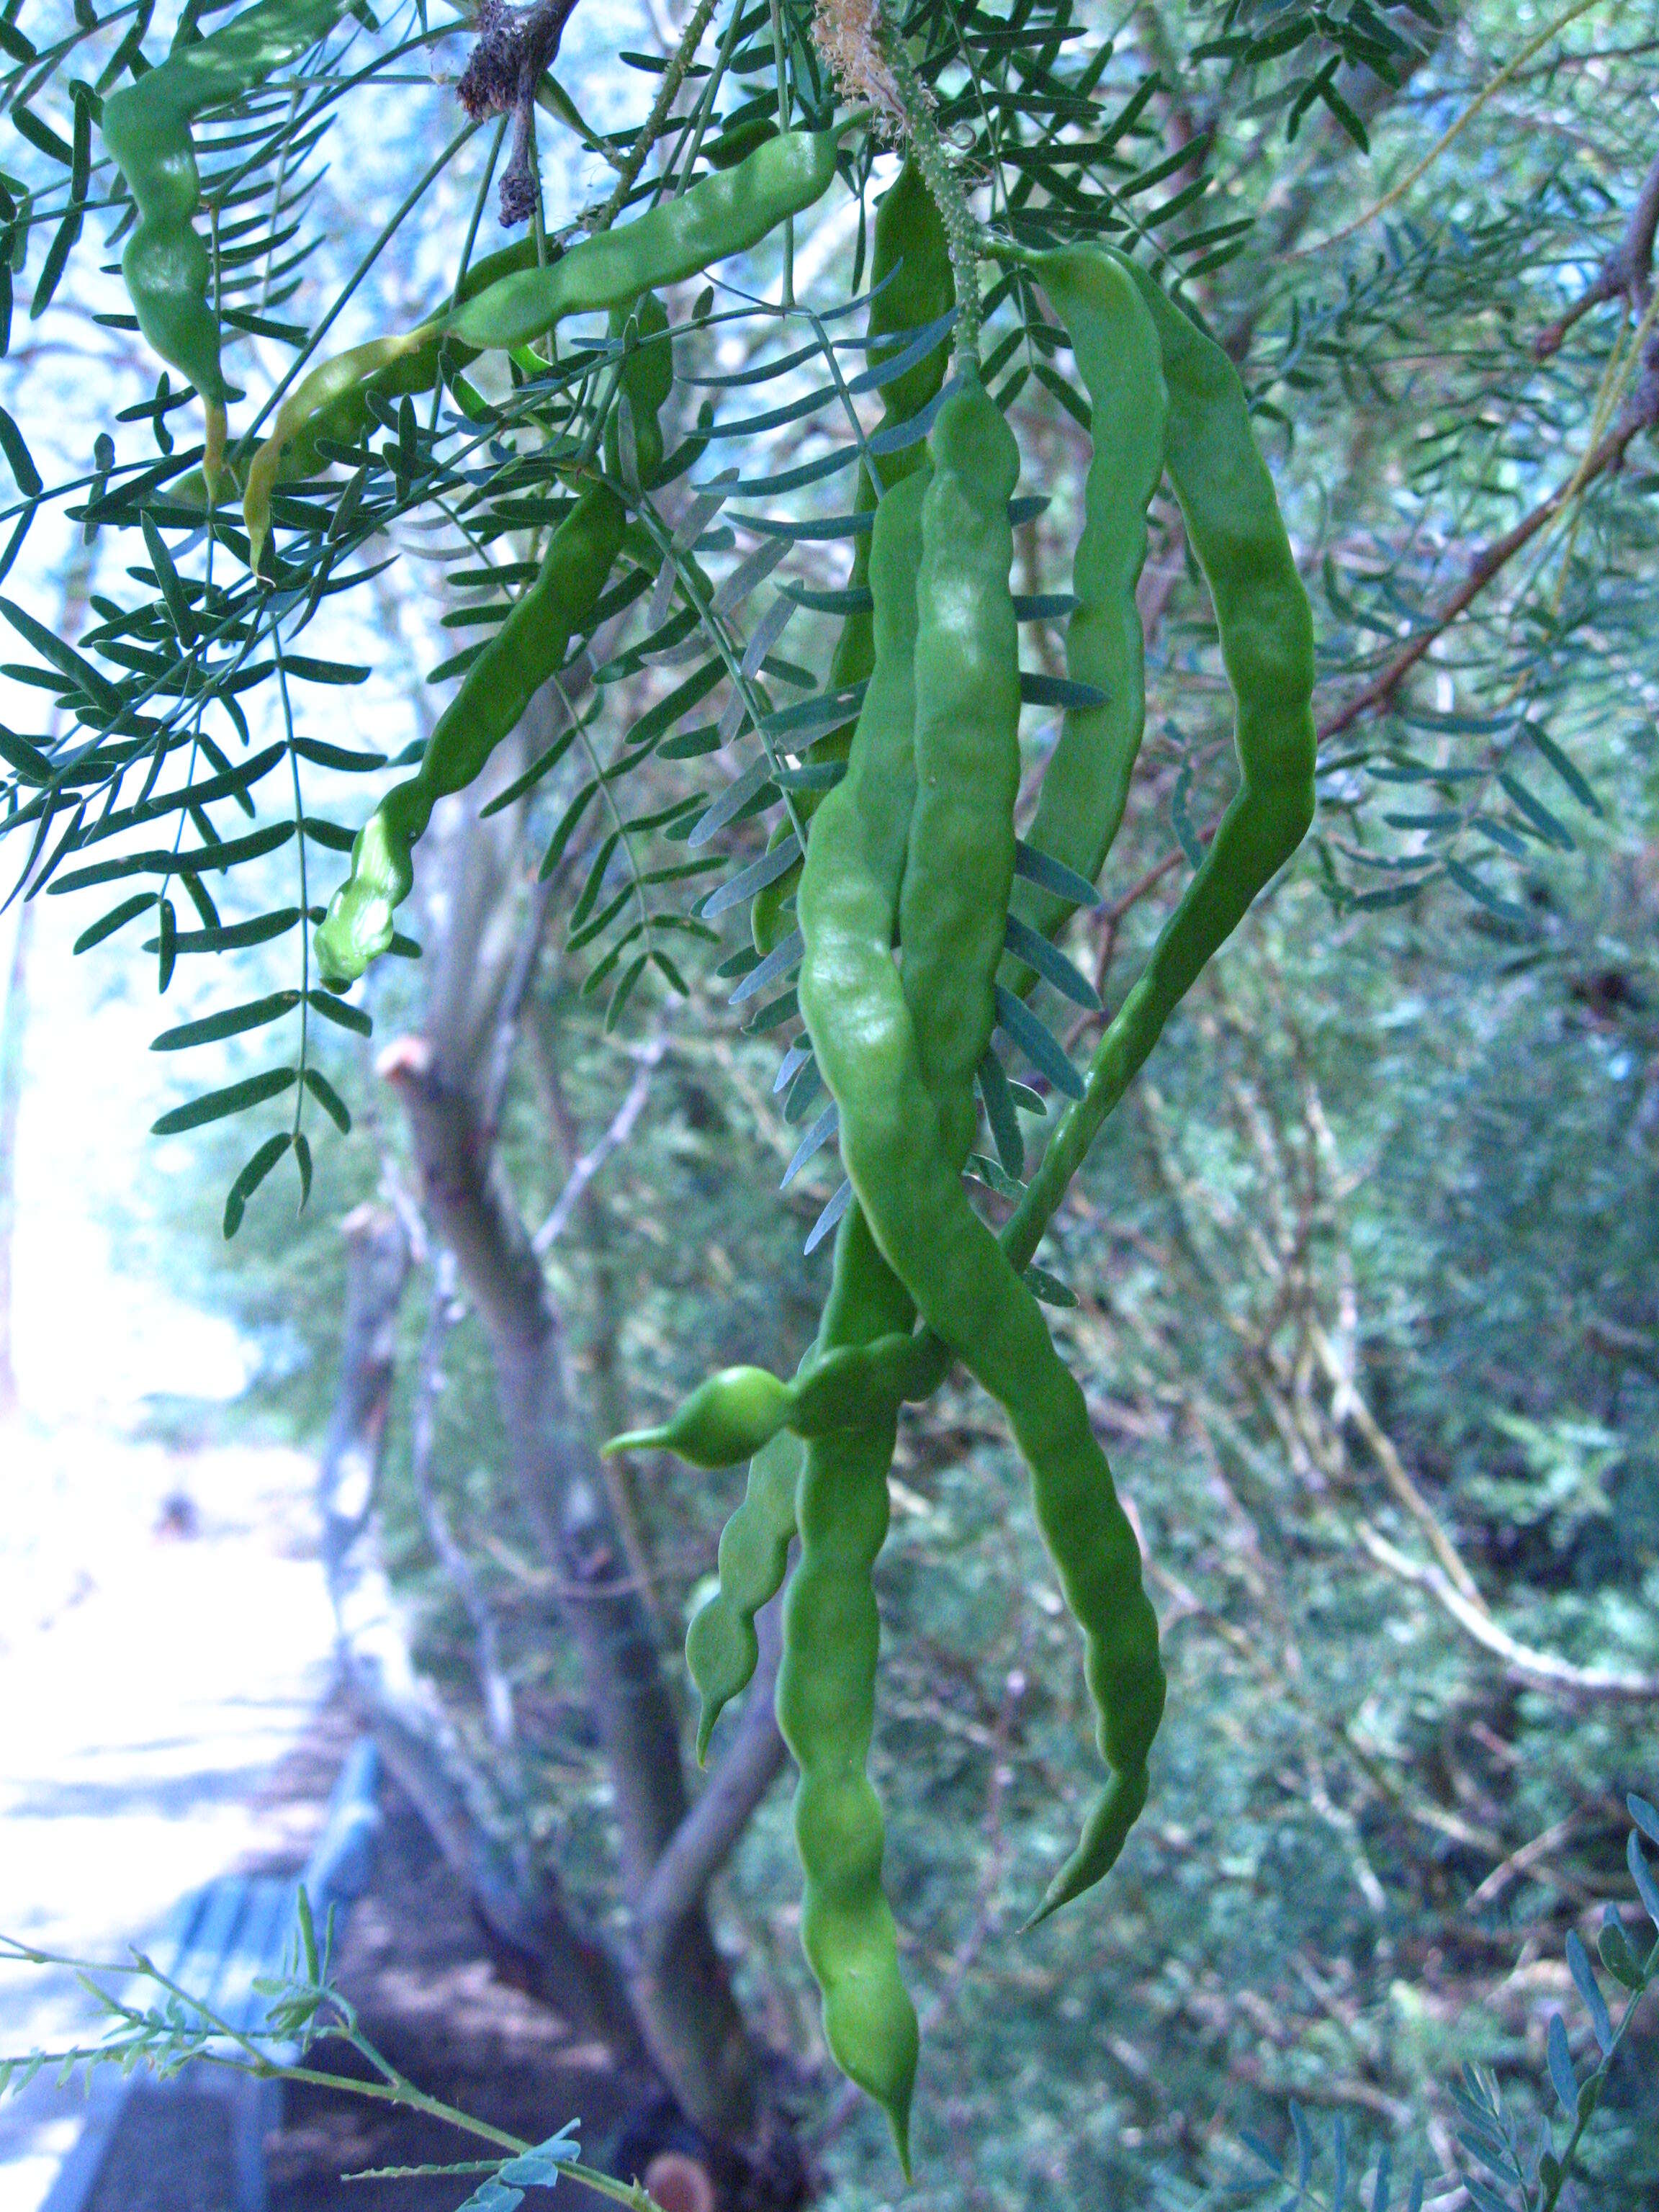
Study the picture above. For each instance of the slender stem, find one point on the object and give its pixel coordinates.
(656, 121)
(698, 596)
(469, 242)
(392, 2088)
(410, 199)
(684, 157)
(305, 892)
(1492, 85)
(963, 231)
(396, 2091)
(1564, 2167)
(1622, 364)
(993, 125)
(279, 185)
(611, 807)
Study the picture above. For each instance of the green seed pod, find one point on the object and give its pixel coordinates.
(912, 284)
(146, 127)
(1086, 782)
(729, 1418)
(332, 402)
(727, 213)
(721, 1649)
(647, 376)
(960, 864)
(530, 646)
(826, 1709)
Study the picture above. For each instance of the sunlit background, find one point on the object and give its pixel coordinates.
(1366, 1308)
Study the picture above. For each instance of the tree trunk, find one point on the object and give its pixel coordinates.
(680, 1988)
(521, 1908)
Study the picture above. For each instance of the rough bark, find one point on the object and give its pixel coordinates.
(680, 1990)
(521, 1908)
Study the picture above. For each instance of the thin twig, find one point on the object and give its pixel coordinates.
(1347, 1405)
(1523, 1861)
(672, 78)
(1626, 273)
(579, 1193)
(646, 1057)
(1539, 1669)
(1381, 690)
(1493, 85)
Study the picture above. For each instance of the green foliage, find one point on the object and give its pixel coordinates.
(1071, 134)
(158, 2025)
(1504, 2168)
(1411, 1119)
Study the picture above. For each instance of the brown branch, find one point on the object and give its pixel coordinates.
(513, 52)
(1540, 1670)
(1626, 272)
(522, 1907)
(1641, 413)
(494, 1687)
(609, 1401)
(1523, 1861)
(559, 1482)
(516, 992)
(742, 1775)
(348, 1472)
(586, 1166)
(679, 1983)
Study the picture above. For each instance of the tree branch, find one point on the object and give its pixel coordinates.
(349, 1471)
(682, 1995)
(585, 1167)
(521, 1908)
(1627, 271)
(1540, 1670)
(579, 1193)
(514, 49)
(559, 1479)
(1641, 412)
(494, 1687)
(742, 1775)
(1347, 1405)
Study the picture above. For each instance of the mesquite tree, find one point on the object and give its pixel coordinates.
(645, 445)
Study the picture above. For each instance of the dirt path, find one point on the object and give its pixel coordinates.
(165, 1715)
(164, 1639)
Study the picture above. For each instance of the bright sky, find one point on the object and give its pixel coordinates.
(92, 1338)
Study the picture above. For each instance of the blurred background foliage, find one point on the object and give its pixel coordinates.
(1364, 1279)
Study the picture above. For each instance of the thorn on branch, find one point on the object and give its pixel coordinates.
(514, 47)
